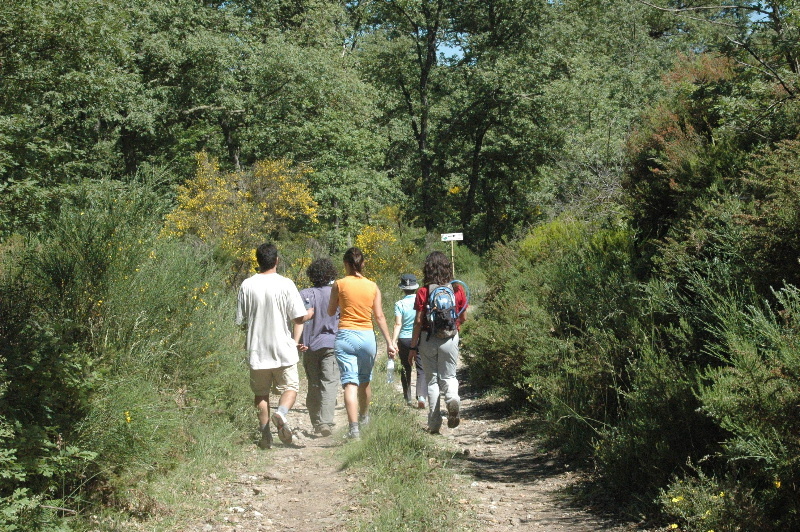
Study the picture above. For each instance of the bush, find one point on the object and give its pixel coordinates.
(554, 327)
(754, 394)
(116, 346)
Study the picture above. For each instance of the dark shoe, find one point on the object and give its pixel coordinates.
(325, 431)
(453, 408)
(266, 439)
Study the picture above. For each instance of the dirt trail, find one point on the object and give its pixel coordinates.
(294, 487)
(511, 484)
(515, 485)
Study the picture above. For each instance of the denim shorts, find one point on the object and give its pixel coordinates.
(355, 353)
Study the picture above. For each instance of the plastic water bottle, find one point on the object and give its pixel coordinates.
(390, 371)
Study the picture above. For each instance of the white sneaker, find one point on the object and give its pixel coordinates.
(284, 430)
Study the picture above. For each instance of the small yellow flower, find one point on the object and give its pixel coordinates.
(721, 493)
(673, 526)
(677, 499)
(127, 417)
(778, 484)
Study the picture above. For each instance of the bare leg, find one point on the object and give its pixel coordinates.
(261, 402)
(287, 399)
(351, 399)
(364, 397)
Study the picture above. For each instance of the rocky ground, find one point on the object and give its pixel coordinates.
(509, 481)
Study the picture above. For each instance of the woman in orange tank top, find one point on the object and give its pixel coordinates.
(359, 303)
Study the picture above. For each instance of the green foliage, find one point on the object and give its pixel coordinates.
(553, 326)
(658, 428)
(753, 395)
(702, 503)
(115, 345)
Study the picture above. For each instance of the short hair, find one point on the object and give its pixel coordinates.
(321, 272)
(437, 269)
(354, 258)
(267, 256)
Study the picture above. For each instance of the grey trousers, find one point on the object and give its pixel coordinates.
(322, 373)
(439, 360)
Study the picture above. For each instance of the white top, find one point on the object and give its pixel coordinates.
(267, 304)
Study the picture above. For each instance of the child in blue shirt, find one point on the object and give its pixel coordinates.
(404, 314)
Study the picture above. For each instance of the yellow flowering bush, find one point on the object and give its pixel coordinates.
(237, 210)
(376, 243)
(698, 504)
(388, 253)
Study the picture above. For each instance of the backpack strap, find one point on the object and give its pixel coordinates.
(431, 288)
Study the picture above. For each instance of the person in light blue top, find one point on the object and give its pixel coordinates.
(404, 314)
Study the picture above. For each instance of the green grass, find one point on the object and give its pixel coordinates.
(406, 484)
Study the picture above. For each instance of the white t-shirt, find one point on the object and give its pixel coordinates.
(267, 304)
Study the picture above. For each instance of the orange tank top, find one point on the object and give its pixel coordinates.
(356, 296)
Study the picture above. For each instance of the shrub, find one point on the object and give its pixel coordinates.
(554, 326)
(754, 395)
(116, 348)
(238, 211)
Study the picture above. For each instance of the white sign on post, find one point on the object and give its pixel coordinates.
(452, 237)
(449, 237)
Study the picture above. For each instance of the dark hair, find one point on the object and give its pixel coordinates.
(321, 272)
(267, 256)
(354, 258)
(437, 269)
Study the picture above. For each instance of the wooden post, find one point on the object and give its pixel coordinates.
(452, 237)
(453, 257)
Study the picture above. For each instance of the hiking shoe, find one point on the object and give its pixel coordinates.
(453, 408)
(420, 402)
(353, 435)
(284, 430)
(324, 430)
(363, 419)
(266, 438)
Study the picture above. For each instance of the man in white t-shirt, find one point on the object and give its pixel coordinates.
(271, 310)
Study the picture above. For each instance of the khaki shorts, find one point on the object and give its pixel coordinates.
(277, 379)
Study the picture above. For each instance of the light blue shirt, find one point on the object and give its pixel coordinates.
(405, 309)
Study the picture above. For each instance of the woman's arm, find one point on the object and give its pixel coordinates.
(380, 319)
(333, 304)
(398, 324)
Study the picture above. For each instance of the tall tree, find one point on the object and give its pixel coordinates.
(401, 44)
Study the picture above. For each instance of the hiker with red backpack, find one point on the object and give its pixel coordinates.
(440, 305)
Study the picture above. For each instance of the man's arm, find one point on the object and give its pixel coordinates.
(297, 332)
(241, 311)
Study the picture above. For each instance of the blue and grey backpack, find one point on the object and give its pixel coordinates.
(441, 311)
